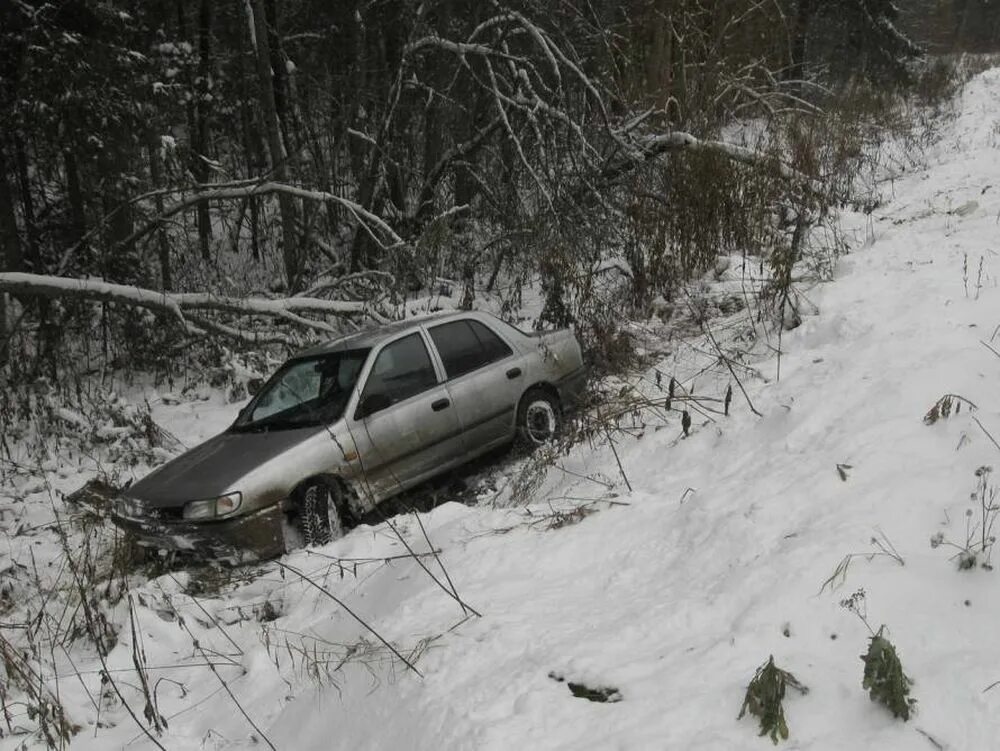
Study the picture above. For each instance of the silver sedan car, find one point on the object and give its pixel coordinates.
(349, 423)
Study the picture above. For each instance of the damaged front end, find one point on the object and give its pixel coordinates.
(238, 539)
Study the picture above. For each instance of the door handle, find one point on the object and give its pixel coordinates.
(440, 404)
(513, 373)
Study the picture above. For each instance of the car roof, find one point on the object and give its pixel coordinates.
(374, 336)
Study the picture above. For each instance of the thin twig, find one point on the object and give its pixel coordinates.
(934, 741)
(208, 615)
(465, 608)
(225, 686)
(350, 612)
(95, 635)
(614, 450)
(988, 435)
(450, 593)
(363, 561)
(732, 372)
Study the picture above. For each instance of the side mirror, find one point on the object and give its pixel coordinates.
(253, 386)
(373, 403)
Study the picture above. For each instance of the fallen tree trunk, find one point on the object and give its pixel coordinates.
(187, 308)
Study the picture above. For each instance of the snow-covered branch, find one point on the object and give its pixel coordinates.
(188, 308)
(888, 29)
(680, 141)
(459, 48)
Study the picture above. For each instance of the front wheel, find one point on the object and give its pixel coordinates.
(319, 519)
(539, 418)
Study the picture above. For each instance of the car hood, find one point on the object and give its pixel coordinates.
(214, 467)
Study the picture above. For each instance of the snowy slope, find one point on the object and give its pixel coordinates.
(676, 592)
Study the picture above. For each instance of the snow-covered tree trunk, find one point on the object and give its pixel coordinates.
(10, 246)
(804, 10)
(163, 243)
(291, 253)
(78, 215)
(200, 139)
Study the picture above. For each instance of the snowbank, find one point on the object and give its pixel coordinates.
(678, 591)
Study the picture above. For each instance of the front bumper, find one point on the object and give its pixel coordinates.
(241, 539)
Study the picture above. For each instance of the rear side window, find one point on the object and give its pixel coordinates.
(495, 347)
(465, 346)
(401, 370)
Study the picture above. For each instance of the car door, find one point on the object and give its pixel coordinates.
(404, 420)
(485, 378)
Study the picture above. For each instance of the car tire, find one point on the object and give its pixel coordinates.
(539, 419)
(319, 517)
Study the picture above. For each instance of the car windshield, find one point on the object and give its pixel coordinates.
(304, 393)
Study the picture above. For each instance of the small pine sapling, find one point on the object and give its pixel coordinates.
(764, 696)
(884, 677)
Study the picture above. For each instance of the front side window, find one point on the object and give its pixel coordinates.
(465, 346)
(304, 393)
(401, 370)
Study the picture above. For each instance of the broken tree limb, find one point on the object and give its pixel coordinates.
(680, 141)
(92, 289)
(179, 305)
(636, 150)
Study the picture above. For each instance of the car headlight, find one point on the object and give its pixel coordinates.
(213, 508)
(129, 508)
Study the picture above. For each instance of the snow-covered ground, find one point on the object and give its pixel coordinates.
(672, 593)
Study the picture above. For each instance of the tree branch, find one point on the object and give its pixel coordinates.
(680, 141)
(369, 221)
(179, 304)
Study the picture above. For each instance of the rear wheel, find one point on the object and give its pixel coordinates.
(539, 418)
(319, 518)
